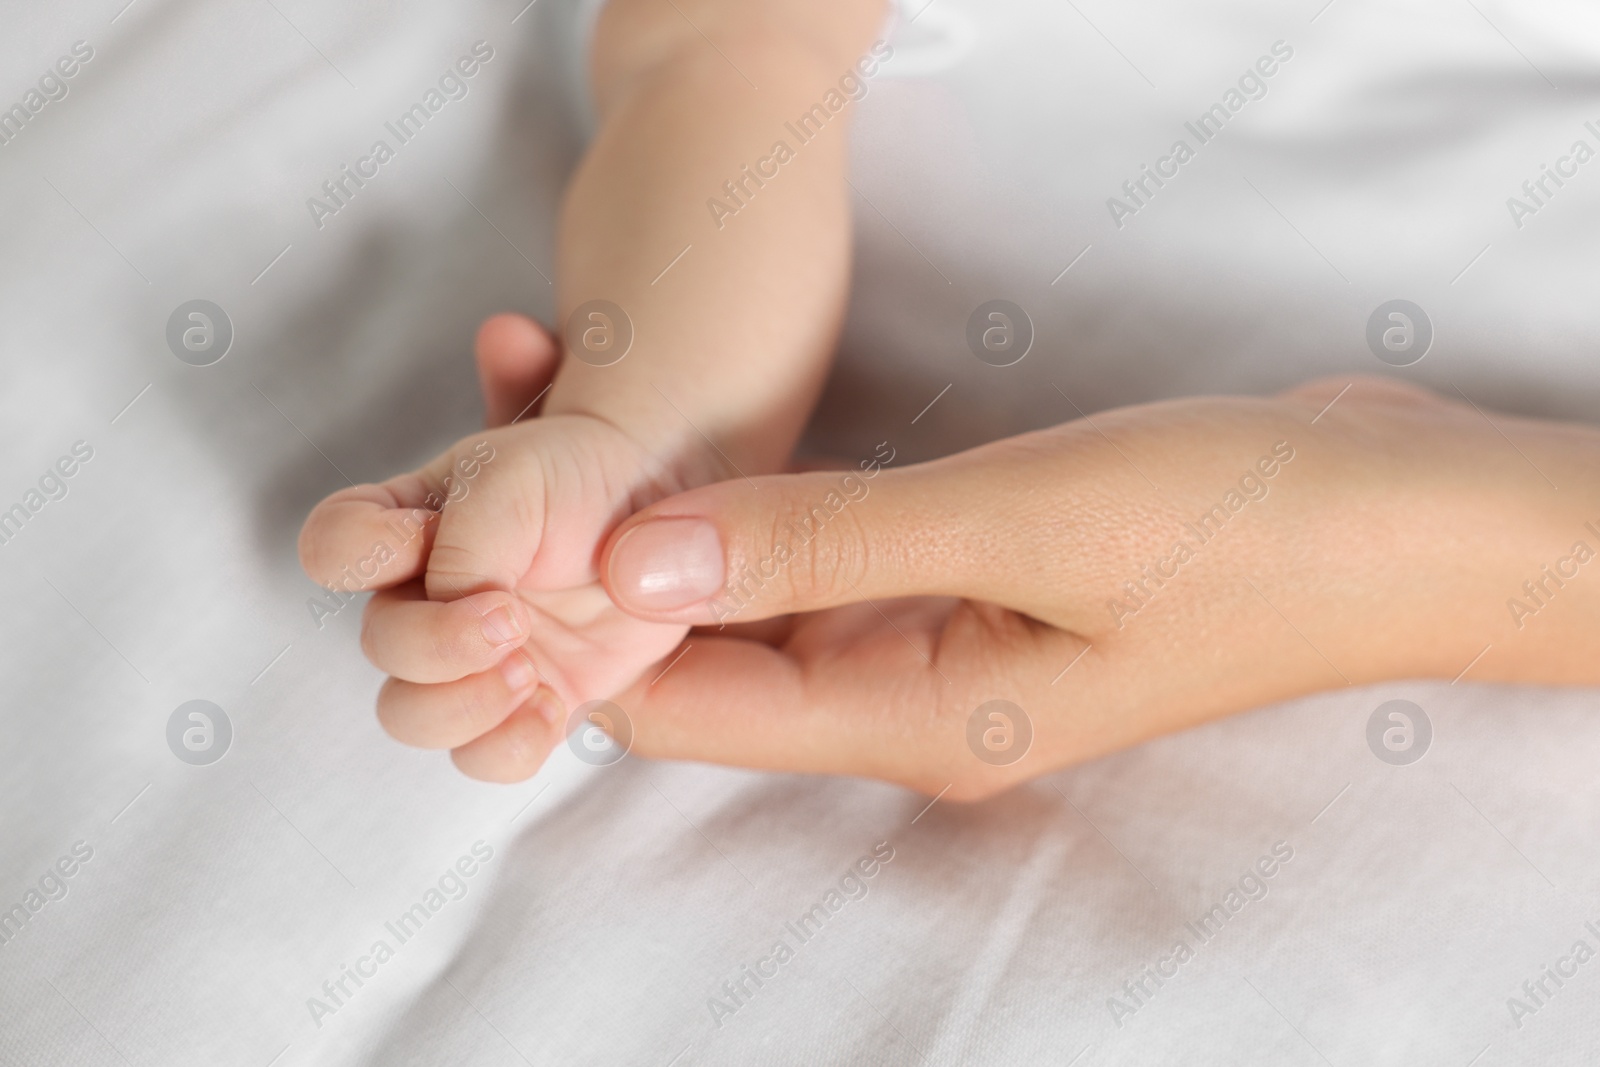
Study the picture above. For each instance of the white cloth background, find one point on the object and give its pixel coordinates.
(619, 899)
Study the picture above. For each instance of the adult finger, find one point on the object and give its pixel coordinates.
(976, 525)
(879, 700)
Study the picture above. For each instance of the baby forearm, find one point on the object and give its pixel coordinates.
(700, 213)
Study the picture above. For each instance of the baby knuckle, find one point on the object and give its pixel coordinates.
(465, 712)
(455, 571)
(388, 710)
(445, 644)
(457, 636)
(315, 556)
(370, 633)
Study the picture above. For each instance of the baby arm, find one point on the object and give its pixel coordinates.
(722, 237)
(492, 623)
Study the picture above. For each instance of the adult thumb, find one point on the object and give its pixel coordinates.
(750, 549)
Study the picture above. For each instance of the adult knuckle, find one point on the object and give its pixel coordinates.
(962, 771)
(835, 562)
(974, 785)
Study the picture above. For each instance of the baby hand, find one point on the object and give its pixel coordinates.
(488, 613)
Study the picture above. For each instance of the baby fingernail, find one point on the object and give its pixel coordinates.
(518, 673)
(549, 707)
(667, 564)
(500, 627)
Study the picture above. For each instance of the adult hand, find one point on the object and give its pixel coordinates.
(1114, 578)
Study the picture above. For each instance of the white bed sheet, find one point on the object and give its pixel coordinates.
(217, 900)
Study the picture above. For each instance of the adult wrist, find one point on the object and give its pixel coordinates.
(1505, 566)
